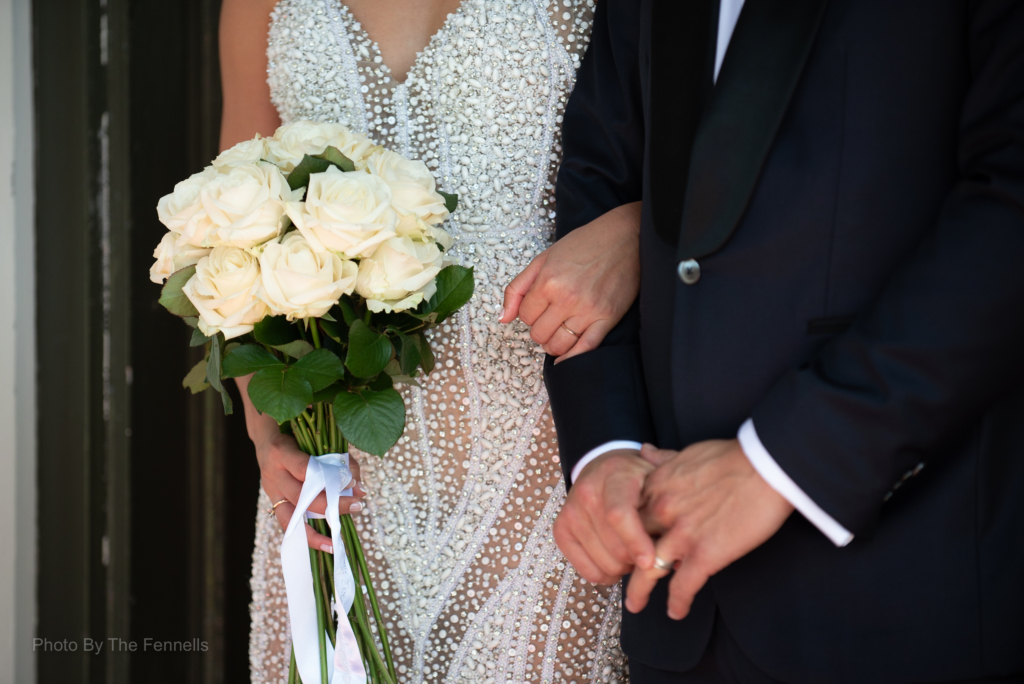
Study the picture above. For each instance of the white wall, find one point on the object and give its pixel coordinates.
(17, 348)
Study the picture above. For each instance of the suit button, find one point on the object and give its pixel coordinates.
(689, 271)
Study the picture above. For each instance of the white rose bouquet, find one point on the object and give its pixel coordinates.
(321, 258)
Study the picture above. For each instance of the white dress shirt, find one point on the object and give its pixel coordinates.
(764, 464)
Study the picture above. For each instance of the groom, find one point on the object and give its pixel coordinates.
(828, 347)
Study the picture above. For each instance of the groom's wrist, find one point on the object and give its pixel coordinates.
(591, 455)
(777, 479)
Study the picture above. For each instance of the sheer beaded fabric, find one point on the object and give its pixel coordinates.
(458, 520)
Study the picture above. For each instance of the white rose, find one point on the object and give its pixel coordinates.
(294, 140)
(299, 281)
(412, 187)
(245, 152)
(399, 275)
(172, 257)
(241, 208)
(345, 212)
(177, 208)
(225, 291)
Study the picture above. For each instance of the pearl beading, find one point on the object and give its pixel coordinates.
(458, 525)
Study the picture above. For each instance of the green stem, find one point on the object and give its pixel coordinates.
(316, 333)
(293, 669)
(321, 627)
(348, 524)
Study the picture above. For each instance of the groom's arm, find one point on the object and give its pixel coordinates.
(599, 396)
(944, 339)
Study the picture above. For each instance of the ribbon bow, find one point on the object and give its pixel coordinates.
(323, 473)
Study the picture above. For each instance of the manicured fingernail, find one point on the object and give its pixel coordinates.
(501, 316)
(356, 507)
(327, 548)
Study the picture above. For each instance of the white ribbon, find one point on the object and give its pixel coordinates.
(323, 473)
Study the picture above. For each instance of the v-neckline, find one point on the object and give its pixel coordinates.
(375, 46)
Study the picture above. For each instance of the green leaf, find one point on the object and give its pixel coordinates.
(348, 314)
(372, 421)
(225, 399)
(296, 349)
(213, 362)
(276, 330)
(319, 368)
(408, 353)
(454, 289)
(198, 338)
(196, 378)
(173, 299)
(280, 394)
(426, 353)
(299, 177)
(406, 380)
(335, 330)
(328, 393)
(191, 321)
(451, 201)
(368, 351)
(249, 358)
(334, 156)
(381, 383)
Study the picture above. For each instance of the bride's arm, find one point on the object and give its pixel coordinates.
(584, 283)
(248, 111)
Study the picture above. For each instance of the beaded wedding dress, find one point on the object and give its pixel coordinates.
(458, 517)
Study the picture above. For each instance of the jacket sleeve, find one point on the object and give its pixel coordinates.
(945, 338)
(599, 396)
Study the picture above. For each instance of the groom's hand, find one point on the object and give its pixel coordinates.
(709, 507)
(599, 528)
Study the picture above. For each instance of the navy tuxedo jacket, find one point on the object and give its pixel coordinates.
(852, 189)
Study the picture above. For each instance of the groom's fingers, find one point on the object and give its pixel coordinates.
(624, 518)
(676, 544)
(685, 584)
(578, 557)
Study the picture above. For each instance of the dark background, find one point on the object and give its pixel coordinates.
(147, 494)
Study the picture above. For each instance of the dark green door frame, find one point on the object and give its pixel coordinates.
(146, 494)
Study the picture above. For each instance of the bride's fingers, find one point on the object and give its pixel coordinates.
(314, 539)
(561, 341)
(520, 287)
(589, 339)
(550, 323)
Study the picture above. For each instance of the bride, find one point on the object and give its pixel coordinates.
(457, 518)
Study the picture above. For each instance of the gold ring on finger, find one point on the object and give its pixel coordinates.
(566, 328)
(282, 501)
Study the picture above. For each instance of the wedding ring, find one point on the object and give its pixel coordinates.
(662, 564)
(566, 328)
(282, 501)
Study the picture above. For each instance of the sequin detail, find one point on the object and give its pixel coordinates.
(458, 522)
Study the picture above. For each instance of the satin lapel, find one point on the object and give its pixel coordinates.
(762, 67)
(682, 54)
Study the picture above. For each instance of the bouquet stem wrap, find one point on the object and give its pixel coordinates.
(325, 473)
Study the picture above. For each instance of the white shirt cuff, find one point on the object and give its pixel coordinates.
(777, 478)
(599, 451)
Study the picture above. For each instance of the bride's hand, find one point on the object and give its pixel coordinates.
(575, 291)
(282, 472)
